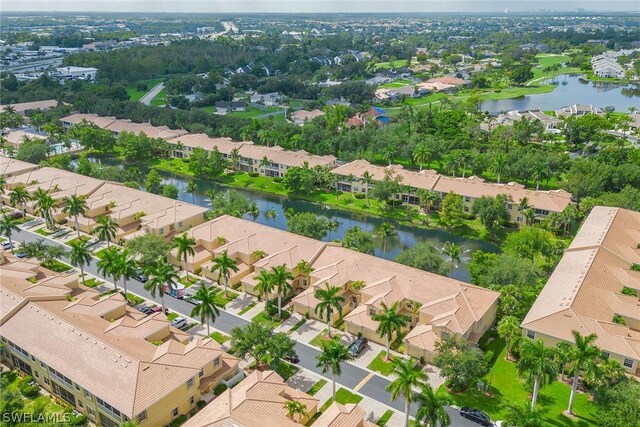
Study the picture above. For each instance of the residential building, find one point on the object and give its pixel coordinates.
(10, 167)
(16, 138)
(224, 107)
(550, 123)
(270, 99)
(184, 145)
(339, 415)
(117, 126)
(275, 161)
(542, 201)
(101, 121)
(300, 117)
(104, 358)
(258, 401)
(594, 290)
(578, 110)
(603, 66)
(23, 107)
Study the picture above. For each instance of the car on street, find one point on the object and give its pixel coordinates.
(179, 322)
(141, 277)
(357, 346)
(292, 359)
(189, 293)
(476, 415)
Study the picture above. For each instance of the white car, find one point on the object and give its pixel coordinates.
(179, 322)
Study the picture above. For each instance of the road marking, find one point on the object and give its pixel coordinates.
(363, 382)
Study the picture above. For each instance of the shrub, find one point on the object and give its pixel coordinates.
(307, 315)
(201, 404)
(220, 388)
(277, 179)
(635, 267)
(253, 174)
(178, 421)
(78, 420)
(30, 391)
(618, 319)
(629, 291)
(359, 196)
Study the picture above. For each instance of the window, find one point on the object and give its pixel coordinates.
(190, 383)
(201, 373)
(108, 407)
(80, 404)
(37, 375)
(142, 417)
(467, 199)
(192, 400)
(531, 334)
(91, 413)
(628, 363)
(20, 364)
(33, 359)
(106, 421)
(174, 413)
(216, 362)
(46, 381)
(87, 394)
(61, 377)
(77, 387)
(42, 364)
(180, 224)
(65, 395)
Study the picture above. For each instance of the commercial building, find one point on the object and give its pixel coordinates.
(80, 73)
(471, 188)
(102, 357)
(595, 289)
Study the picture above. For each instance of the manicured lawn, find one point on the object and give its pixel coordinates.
(264, 318)
(286, 370)
(253, 112)
(192, 279)
(547, 60)
(224, 300)
(172, 316)
(160, 99)
(93, 282)
(323, 337)
(99, 254)
(57, 266)
(135, 299)
(385, 418)
(516, 92)
(247, 308)
(135, 94)
(107, 293)
(297, 325)
(316, 387)
(220, 337)
(507, 388)
(44, 232)
(380, 364)
(78, 239)
(396, 84)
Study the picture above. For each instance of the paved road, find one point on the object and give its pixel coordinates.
(375, 388)
(148, 97)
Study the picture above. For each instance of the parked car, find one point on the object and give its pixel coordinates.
(140, 277)
(189, 293)
(146, 310)
(16, 213)
(179, 322)
(357, 346)
(292, 359)
(7, 245)
(476, 415)
(21, 255)
(158, 309)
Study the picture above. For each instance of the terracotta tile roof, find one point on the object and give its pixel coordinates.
(285, 157)
(10, 167)
(338, 415)
(17, 137)
(302, 116)
(148, 129)
(100, 121)
(34, 105)
(200, 140)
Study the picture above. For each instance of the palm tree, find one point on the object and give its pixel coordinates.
(305, 269)
(264, 162)
(191, 189)
(74, 206)
(529, 215)
(563, 356)
(253, 211)
(499, 165)
(208, 306)
(454, 252)
(80, 256)
(127, 268)
(271, 214)
(105, 229)
(428, 198)
(367, 178)
(584, 355)
(432, 404)
(211, 195)
(332, 225)
(108, 264)
(44, 204)
(3, 182)
(8, 225)
(522, 207)
(18, 198)
(508, 329)
(282, 283)
(539, 172)
(330, 300)
(294, 407)
(408, 375)
(234, 158)
(537, 362)
(185, 248)
(385, 231)
(265, 286)
(391, 321)
(160, 274)
(351, 178)
(224, 265)
(523, 416)
(330, 359)
(421, 155)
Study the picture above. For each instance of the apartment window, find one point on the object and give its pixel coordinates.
(87, 394)
(174, 413)
(444, 335)
(142, 417)
(92, 413)
(42, 364)
(61, 377)
(109, 408)
(80, 404)
(216, 362)
(33, 359)
(65, 395)
(190, 383)
(192, 400)
(372, 311)
(180, 224)
(201, 373)
(628, 363)
(19, 349)
(46, 381)
(531, 334)
(467, 199)
(161, 230)
(20, 364)
(36, 374)
(77, 387)
(106, 421)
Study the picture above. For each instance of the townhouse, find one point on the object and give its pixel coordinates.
(578, 110)
(104, 358)
(184, 145)
(595, 290)
(117, 126)
(22, 108)
(301, 117)
(550, 123)
(16, 138)
(275, 161)
(259, 400)
(11, 167)
(438, 306)
(471, 188)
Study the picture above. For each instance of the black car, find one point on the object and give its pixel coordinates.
(21, 255)
(146, 310)
(292, 359)
(140, 277)
(358, 345)
(477, 416)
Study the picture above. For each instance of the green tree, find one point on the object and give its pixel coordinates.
(148, 248)
(451, 210)
(153, 182)
(170, 191)
(584, 357)
(260, 342)
(254, 211)
(367, 179)
(460, 363)
(161, 274)
(432, 407)
(191, 189)
(421, 155)
(537, 362)
(408, 376)
(618, 405)
(356, 239)
(33, 150)
(529, 242)
(224, 265)
(105, 229)
(208, 307)
(74, 206)
(264, 286)
(8, 225)
(295, 407)
(425, 256)
(390, 322)
(272, 215)
(44, 204)
(308, 224)
(509, 329)
(108, 265)
(384, 232)
(19, 197)
(523, 416)
(80, 256)
(185, 247)
(330, 359)
(498, 270)
(454, 252)
(282, 284)
(491, 211)
(126, 267)
(330, 300)
(304, 268)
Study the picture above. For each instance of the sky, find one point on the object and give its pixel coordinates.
(300, 6)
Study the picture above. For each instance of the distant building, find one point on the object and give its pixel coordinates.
(578, 110)
(300, 117)
(22, 108)
(550, 123)
(271, 99)
(224, 107)
(79, 73)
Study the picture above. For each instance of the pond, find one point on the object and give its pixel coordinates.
(407, 235)
(571, 89)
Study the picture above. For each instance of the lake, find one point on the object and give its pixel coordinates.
(571, 89)
(407, 235)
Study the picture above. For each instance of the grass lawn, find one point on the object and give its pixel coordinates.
(380, 364)
(57, 266)
(247, 308)
(160, 99)
(297, 325)
(43, 232)
(78, 239)
(547, 60)
(135, 94)
(286, 370)
(253, 112)
(507, 388)
(107, 293)
(323, 337)
(396, 84)
(192, 279)
(224, 300)
(93, 282)
(220, 337)
(135, 299)
(171, 316)
(316, 387)
(263, 318)
(385, 418)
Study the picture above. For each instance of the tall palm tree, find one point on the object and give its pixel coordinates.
(185, 248)
(44, 204)
(208, 306)
(563, 356)
(272, 215)
(80, 256)
(234, 158)
(191, 189)
(105, 229)
(522, 207)
(537, 362)
(3, 182)
(305, 269)
(75, 206)
(539, 172)
(408, 375)
(160, 274)
(454, 252)
(108, 264)
(8, 225)
(508, 329)
(390, 322)
(18, 198)
(264, 287)
(385, 231)
(330, 300)
(127, 268)
(253, 211)
(499, 165)
(224, 265)
(428, 199)
(421, 155)
(584, 355)
(367, 178)
(431, 407)
(282, 283)
(295, 407)
(330, 359)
